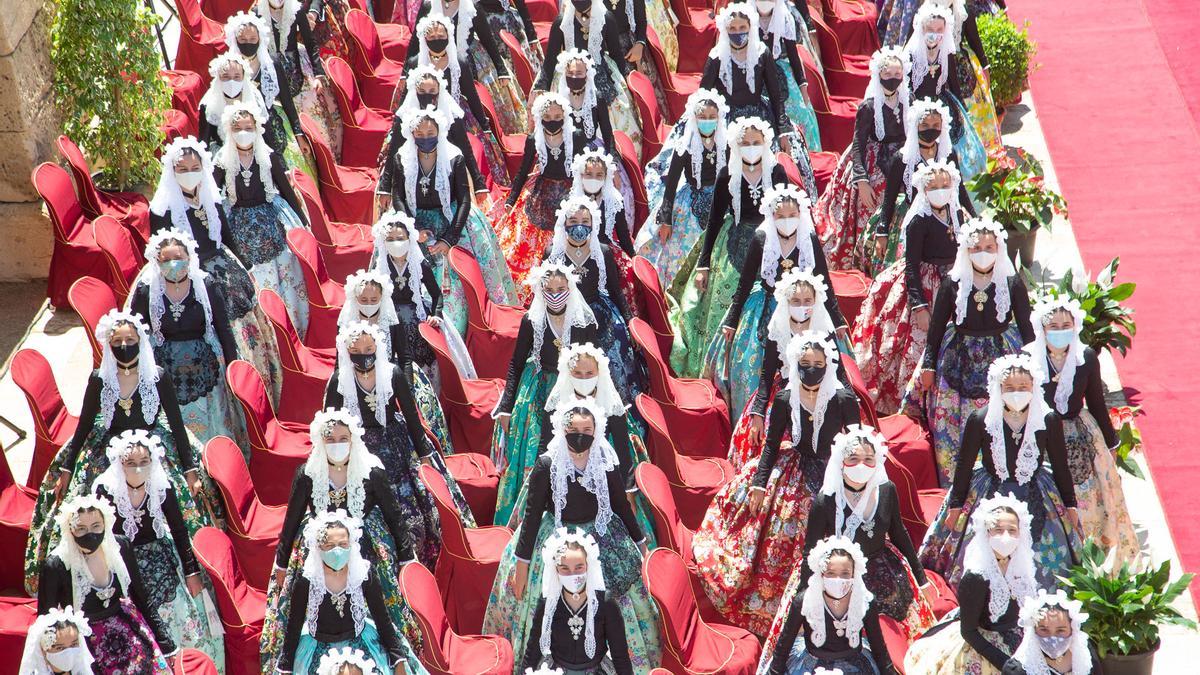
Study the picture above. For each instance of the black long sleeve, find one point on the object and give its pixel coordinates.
(402, 401)
(1056, 451)
(795, 64)
(976, 439)
(298, 617)
(430, 282)
(285, 99)
(776, 94)
(220, 318)
(170, 406)
(898, 535)
(722, 204)
(554, 47)
(973, 596)
(1094, 397)
(284, 186)
(385, 498)
(795, 622)
(747, 277)
(970, 33)
(87, 421)
(481, 31)
(179, 533)
(298, 506)
(840, 412)
(523, 174)
(603, 123)
(516, 365)
(612, 284)
(621, 233)
(460, 189)
(771, 363)
(671, 186)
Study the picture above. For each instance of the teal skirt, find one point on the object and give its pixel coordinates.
(310, 651)
(517, 450)
(798, 108)
(734, 365)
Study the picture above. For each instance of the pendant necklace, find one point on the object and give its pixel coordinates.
(339, 602)
(105, 593)
(576, 623)
(176, 306)
(368, 395)
(980, 297)
(839, 625)
(426, 177)
(245, 173)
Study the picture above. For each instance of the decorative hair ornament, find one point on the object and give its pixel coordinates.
(917, 50)
(558, 245)
(813, 604)
(1035, 608)
(563, 393)
(825, 392)
(381, 397)
(862, 514)
(737, 132)
(157, 482)
(42, 635)
(1019, 579)
(920, 201)
(584, 113)
(269, 86)
(358, 468)
(593, 477)
(147, 367)
(423, 57)
(723, 51)
(152, 276)
(610, 198)
(445, 101)
(1043, 313)
(335, 659)
(73, 558)
(1028, 453)
(779, 325)
(355, 284)
(540, 105)
(413, 258)
(911, 150)
(443, 166)
(775, 197)
(168, 196)
(576, 315)
(552, 552)
(963, 271)
(315, 533)
(690, 142)
(880, 60)
(214, 100)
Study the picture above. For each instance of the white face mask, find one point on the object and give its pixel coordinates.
(584, 386)
(369, 308)
(593, 185)
(752, 153)
(189, 180)
(1017, 400)
(64, 660)
(232, 88)
(396, 249)
(800, 313)
(1004, 544)
(859, 473)
(244, 139)
(938, 197)
(983, 260)
(764, 7)
(836, 587)
(574, 583)
(337, 452)
(786, 227)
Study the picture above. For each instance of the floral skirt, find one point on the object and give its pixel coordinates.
(252, 332)
(1054, 541)
(508, 100)
(310, 651)
(959, 389)
(515, 452)
(525, 231)
(646, 66)
(493, 154)
(198, 372)
(887, 344)
(734, 365)
(744, 558)
(260, 232)
(895, 22)
(622, 562)
(431, 409)
(689, 217)
(612, 335)
(972, 155)
(660, 17)
(840, 216)
(184, 617)
(798, 107)
(1101, 500)
(511, 21)
(393, 447)
(943, 651)
(873, 265)
(981, 110)
(123, 644)
(198, 511)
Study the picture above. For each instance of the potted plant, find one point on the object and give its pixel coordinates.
(1008, 51)
(1126, 606)
(1129, 439)
(1012, 191)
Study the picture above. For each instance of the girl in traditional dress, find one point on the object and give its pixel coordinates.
(149, 516)
(981, 313)
(778, 29)
(704, 287)
(576, 74)
(337, 602)
(559, 312)
(785, 240)
(681, 182)
(999, 574)
(889, 334)
(842, 213)
(262, 207)
(576, 626)
(231, 84)
(836, 612)
(1075, 391)
(1017, 434)
(595, 174)
(972, 62)
(340, 473)
(188, 200)
(576, 482)
(1054, 642)
(416, 295)
(56, 644)
(754, 528)
(190, 334)
(428, 180)
(94, 571)
(293, 47)
(128, 391)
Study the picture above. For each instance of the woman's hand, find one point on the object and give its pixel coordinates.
(727, 333)
(502, 419)
(701, 280)
(755, 434)
(785, 144)
(1073, 519)
(664, 232)
(635, 53)
(439, 248)
(867, 196)
(382, 204)
(754, 500)
(400, 669)
(193, 480)
(60, 487)
(926, 381)
(952, 516)
(435, 322)
(920, 318)
(881, 242)
(520, 579)
(194, 585)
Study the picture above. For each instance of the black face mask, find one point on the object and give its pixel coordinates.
(438, 45)
(248, 48)
(811, 376)
(576, 83)
(363, 362)
(929, 135)
(579, 443)
(88, 543)
(891, 83)
(126, 353)
(552, 126)
(426, 100)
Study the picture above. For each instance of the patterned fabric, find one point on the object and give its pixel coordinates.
(901, 601)
(612, 334)
(798, 107)
(511, 22)
(393, 447)
(800, 662)
(734, 365)
(517, 450)
(252, 332)
(204, 398)
(647, 67)
(431, 409)
(689, 216)
(1054, 542)
(959, 389)
(659, 17)
(744, 558)
(1101, 501)
(525, 231)
(310, 651)
(320, 107)
(972, 155)
(943, 651)
(260, 235)
(841, 218)
(184, 617)
(624, 265)
(493, 154)
(895, 21)
(980, 107)
(123, 644)
(872, 264)
(887, 345)
(508, 101)
(622, 562)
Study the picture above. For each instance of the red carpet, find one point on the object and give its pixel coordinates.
(1118, 95)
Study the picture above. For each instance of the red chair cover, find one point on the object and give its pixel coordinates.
(693, 395)
(325, 296)
(467, 565)
(854, 23)
(491, 329)
(697, 34)
(479, 481)
(512, 145)
(654, 132)
(16, 512)
(347, 193)
(376, 74)
(678, 87)
(345, 247)
(694, 480)
(542, 10)
(221, 10)
(276, 449)
(201, 39)
(654, 304)
(53, 424)
(946, 600)
(241, 606)
(253, 526)
(835, 114)
(187, 88)
(824, 164)
(363, 128)
(443, 651)
(304, 375)
(175, 125)
(131, 208)
(691, 645)
(846, 73)
(91, 299)
(850, 287)
(523, 69)
(122, 255)
(633, 169)
(468, 404)
(17, 614)
(194, 662)
(75, 252)
(895, 640)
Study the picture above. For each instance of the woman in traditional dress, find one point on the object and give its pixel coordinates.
(428, 180)
(416, 295)
(56, 644)
(576, 482)
(148, 515)
(293, 46)
(754, 528)
(559, 312)
(595, 175)
(999, 573)
(576, 76)
(1075, 391)
(973, 78)
(94, 571)
(1018, 435)
(128, 391)
(842, 213)
(889, 334)
(231, 84)
(576, 626)
(187, 199)
(681, 182)
(340, 473)
(785, 240)
(262, 208)
(835, 613)
(980, 314)
(1054, 642)
(337, 602)
(704, 287)
(190, 333)
(778, 29)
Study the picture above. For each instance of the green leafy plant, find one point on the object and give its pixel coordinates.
(107, 84)
(1129, 438)
(1013, 191)
(1125, 606)
(1107, 324)
(1008, 50)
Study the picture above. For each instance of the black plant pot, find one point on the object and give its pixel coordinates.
(1130, 664)
(1021, 245)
